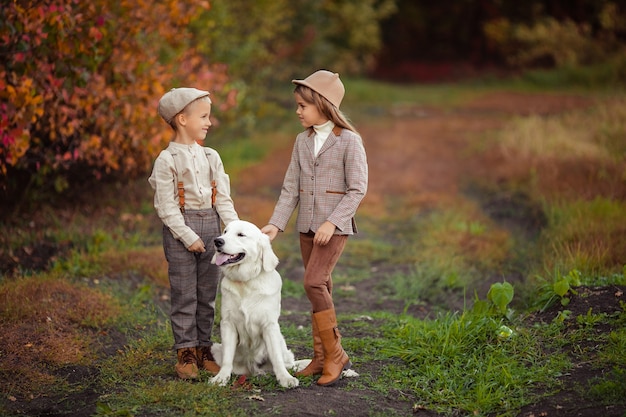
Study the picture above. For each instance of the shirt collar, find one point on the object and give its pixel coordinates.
(324, 130)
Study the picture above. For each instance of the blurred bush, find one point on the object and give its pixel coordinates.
(267, 43)
(550, 43)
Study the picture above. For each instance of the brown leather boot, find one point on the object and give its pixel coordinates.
(187, 365)
(317, 363)
(206, 361)
(335, 358)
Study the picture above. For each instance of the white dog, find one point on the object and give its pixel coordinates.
(252, 342)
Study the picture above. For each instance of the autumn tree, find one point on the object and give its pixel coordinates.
(79, 85)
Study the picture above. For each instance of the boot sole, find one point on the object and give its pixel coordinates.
(345, 367)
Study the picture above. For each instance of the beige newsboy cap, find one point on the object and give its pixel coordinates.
(327, 84)
(175, 100)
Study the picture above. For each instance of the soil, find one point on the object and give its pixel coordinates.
(420, 154)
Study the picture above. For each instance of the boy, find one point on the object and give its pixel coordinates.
(191, 195)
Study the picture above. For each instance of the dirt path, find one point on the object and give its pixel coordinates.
(419, 154)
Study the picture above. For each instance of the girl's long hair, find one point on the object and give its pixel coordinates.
(325, 107)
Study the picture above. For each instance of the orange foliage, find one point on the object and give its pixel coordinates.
(80, 82)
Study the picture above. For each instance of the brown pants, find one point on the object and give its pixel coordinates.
(319, 262)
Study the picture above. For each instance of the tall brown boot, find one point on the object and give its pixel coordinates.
(317, 363)
(187, 365)
(335, 358)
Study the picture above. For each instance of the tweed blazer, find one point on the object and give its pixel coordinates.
(327, 187)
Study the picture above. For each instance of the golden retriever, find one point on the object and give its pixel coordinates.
(252, 342)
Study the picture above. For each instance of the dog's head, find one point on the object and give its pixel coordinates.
(243, 247)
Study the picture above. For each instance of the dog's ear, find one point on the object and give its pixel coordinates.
(268, 257)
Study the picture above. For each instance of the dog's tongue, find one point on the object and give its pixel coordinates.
(221, 258)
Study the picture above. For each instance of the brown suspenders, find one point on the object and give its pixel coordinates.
(181, 188)
(181, 197)
(213, 192)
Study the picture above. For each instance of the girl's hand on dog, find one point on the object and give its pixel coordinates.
(270, 230)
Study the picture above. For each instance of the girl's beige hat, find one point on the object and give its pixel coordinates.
(175, 100)
(327, 84)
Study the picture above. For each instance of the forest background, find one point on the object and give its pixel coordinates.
(79, 81)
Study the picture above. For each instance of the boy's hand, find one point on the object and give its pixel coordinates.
(197, 246)
(324, 233)
(270, 230)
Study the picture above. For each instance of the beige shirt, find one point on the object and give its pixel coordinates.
(195, 166)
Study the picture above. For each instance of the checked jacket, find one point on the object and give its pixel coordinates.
(329, 186)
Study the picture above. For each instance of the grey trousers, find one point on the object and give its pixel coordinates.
(194, 281)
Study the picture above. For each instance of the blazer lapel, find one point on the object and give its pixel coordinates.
(310, 143)
(331, 140)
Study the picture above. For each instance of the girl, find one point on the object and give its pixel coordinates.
(327, 179)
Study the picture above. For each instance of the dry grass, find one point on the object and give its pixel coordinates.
(579, 154)
(464, 231)
(596, 133)
(539, 137)
(586, 235)
(47, 323)
(148, 262)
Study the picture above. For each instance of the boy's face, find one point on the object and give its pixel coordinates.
(308, 113)
(196, 119)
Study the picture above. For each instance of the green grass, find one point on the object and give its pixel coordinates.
(141, 379)
(237, 154)
(453, 362)
(386, 94)
(460, 362)
(604, 76)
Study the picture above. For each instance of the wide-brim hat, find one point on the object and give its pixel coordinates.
(327, 84)
(175, 100)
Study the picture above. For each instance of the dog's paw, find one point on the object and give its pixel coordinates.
(300, 365)
(288, 382)
(221, 379)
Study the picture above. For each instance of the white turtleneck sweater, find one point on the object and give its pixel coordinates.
(321, 134)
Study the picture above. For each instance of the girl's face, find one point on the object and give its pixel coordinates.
(308, 113)
(197, 119)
